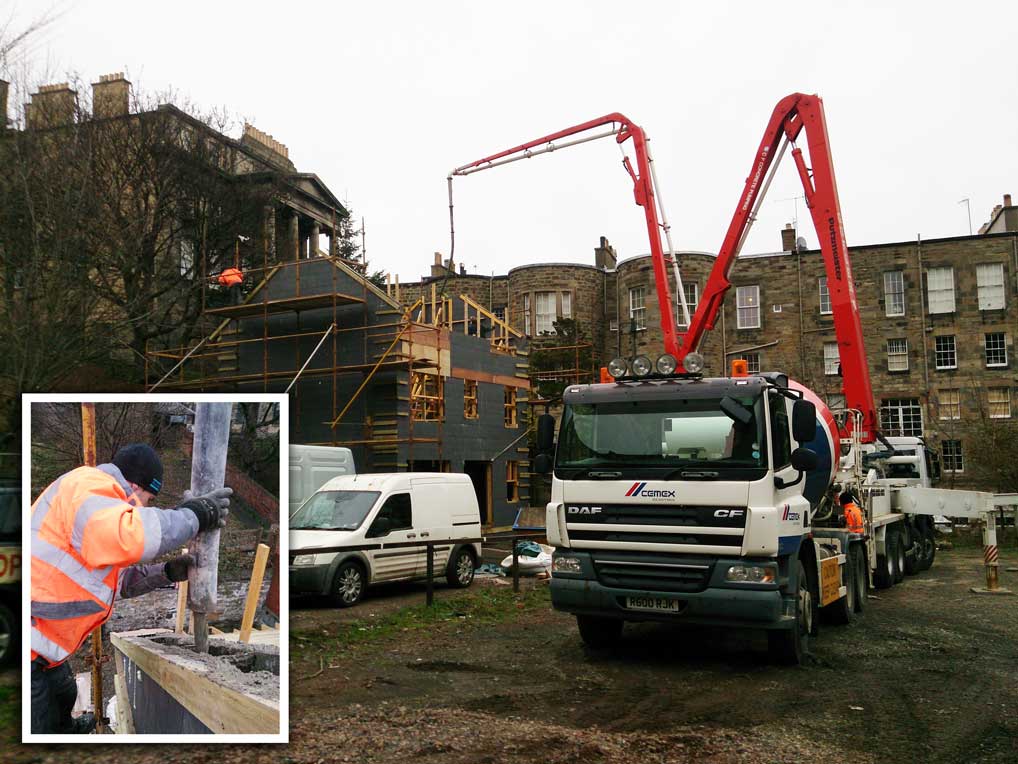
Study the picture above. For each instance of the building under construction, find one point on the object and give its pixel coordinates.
(437, 385)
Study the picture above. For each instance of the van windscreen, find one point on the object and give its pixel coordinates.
(333, 511)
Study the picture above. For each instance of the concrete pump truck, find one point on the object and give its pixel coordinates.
(713, 501)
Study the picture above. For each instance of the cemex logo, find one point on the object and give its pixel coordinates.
(639, 489)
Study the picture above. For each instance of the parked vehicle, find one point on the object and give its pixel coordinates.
(312, 466)
(360, 530)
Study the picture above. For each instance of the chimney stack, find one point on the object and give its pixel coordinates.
(111, 96)
(52, 106)
(788, 238)
(604, 255)
(4, 87)
(1007, 200)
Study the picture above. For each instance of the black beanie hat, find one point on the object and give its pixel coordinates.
(138, 463)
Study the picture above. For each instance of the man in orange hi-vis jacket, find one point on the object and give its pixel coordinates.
(89, 527)
(853, 515)
(232, 278)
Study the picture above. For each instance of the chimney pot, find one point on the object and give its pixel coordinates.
(438, 258)
(1007, 200)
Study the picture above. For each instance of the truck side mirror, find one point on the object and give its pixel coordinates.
(804, 459)
(542, 463)
(545, 433)
(804, 421)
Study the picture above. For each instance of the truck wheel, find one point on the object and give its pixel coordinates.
(886, 573)
(857, 559)
(787, 646)
(900, 557)
(840, 611)
(348, 584)
(911, 549)
(8, 637)
(460, 572)
(928, 540)
(599, 633)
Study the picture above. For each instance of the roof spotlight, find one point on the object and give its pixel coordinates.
(642, 366)
(618, 367)
(693, 363)
(666, 364)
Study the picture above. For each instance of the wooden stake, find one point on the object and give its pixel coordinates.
(254, 589)
(178, 624)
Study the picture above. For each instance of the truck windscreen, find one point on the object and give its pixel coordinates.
(677, 433)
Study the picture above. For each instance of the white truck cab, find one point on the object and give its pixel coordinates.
(359, 530)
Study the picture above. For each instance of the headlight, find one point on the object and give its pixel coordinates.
(566, 565)
(666, 364)
(642, 366)
(750, 574)
(304, 559)
(618, 367)
(693, 363)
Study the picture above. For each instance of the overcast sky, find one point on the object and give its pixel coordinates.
(381, 100)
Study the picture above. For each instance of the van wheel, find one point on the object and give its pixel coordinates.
(599, 633)
(8, 637)
(787, 646)
(348, 584)
(460, 573)
(857, 559)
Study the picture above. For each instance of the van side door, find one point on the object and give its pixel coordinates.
(394, 524)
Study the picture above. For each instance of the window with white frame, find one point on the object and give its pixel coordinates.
(950, 452)
(945, 353)
(692, 292)
(999, 399)
(894, 293)
(825, 298)
(747, 301)
(526, 313)
(995, 344)
(638, 307)
(832, 360)
(990, 286)
(940, 289)
(752, 362)
(544, 321)
(901, 417)
(499, 313)
(949, 404)
(613, 325)
(567, 304)
(897, 354)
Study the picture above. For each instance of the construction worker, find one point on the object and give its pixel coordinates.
(853, 515)
(231, 279)
(88, 527)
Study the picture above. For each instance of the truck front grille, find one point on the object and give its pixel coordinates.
(661, 573)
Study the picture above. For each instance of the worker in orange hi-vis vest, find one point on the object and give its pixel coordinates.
(89, 527)
(232, 278)
(853, 515)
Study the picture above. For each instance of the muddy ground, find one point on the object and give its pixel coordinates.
(929, 673)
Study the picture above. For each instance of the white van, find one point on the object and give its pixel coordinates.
(376, 519)
(312, 466)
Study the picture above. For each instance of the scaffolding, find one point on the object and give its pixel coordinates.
(413, 339)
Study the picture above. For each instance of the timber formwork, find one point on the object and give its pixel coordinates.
(363, 370)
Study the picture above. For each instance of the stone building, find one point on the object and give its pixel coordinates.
(939, 317)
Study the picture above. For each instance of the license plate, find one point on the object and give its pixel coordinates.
(653, 603)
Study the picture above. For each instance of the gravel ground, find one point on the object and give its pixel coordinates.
(927, 674)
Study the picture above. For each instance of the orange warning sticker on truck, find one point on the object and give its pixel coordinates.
(830, 580)
(10, 564)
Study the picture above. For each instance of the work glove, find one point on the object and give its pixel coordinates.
(176, 569)
(211, 508)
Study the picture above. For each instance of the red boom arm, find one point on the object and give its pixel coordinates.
(643, 191)
(793, 114)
